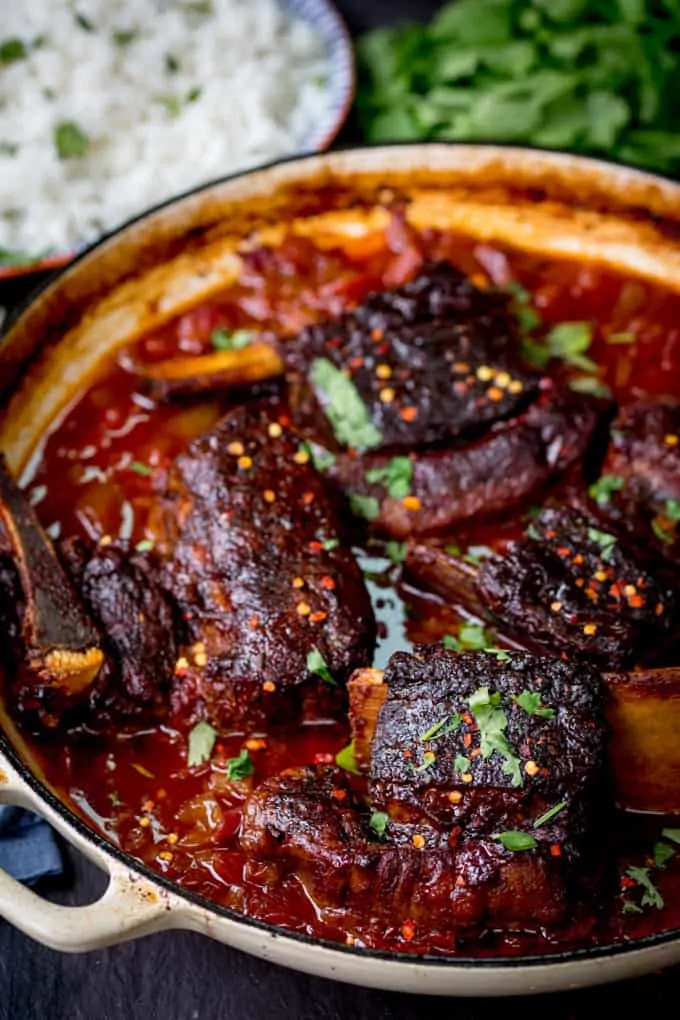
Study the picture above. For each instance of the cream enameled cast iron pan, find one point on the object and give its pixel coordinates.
(164, 262)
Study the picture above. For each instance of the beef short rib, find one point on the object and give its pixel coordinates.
(274, 604)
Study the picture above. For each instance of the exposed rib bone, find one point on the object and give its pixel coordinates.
(62, 644)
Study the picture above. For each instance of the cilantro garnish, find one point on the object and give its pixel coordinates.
(11, 50)
(367, 507)
(601, 490)
(346, 760)
(379, 821)
(446, 725)
(70, 141)
(461, 763)
(605, 541)
(492, 722)
(343, 406)
(396, 551)
(548, 815)
(672, 509)
(240, 767)
(140, 468)
(530, 701)
(651, 896)
(396, 476)
(231, 340)
(201, 742)
(516, 841)
(318, 665)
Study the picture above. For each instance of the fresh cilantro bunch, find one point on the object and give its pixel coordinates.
(596, 76)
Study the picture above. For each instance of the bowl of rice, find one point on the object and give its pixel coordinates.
(108, 109)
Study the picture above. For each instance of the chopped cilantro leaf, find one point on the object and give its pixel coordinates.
(11, 50)
(516, 841)
(379, 821)
(396, 476)
(672, 509)
(661, 530)
(589, 384)
(139, 468)
(472, 636)
(346, 760)
(672, 834)
(662, 853)
(318, 665)
(145, 545)
(530, 701)
(70, 141)
(330, 543)
(446, 725)
(240, 767)
(202, 739)
(83, 22)
(631, 908)
(343, 406)
(548, 815)
(651, 896)
(492, 722)
(123, 39)
(367, 507)
(461, 763)
(451, 643)
(502, 654)
(231, 340)
(605, 541)
(396, 551)
(601, 490)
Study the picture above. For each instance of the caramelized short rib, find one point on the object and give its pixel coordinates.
(567, 586)
(142, 630)
(640, 486)
(438, 859)
(513, 462)
(250, 544)
(433, 359)
(55, 655)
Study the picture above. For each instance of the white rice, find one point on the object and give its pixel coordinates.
(260, 72)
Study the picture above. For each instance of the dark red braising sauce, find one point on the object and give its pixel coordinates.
(135, 786)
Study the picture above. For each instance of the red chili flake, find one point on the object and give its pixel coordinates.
(460, 882)
(563, 550)
(327, 582)
(467, 739)
(627, 883)
(555, 850)
(550, 533)
(269, 686)
(636, 601)
(578, 558)
(254, 622)
(377, 334)
(477, 750)
(323, 758)
(284, 420)
(408, 754)
(355, 362)
(468, 719)
(308, 498)
(318, 617)
(315, 547)
(338, 794)
(409, 413)
(408, 930)
(615, 591)
(460, 387)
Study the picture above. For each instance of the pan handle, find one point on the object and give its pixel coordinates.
(130, 907)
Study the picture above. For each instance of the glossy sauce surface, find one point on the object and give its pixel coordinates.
(93, 480)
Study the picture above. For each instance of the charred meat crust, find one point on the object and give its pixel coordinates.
(442, 778)
(250, 543)
(498, 472)
(433, 359)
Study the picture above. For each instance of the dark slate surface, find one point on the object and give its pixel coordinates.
(181, 976)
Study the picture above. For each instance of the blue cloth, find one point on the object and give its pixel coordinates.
(28, 848)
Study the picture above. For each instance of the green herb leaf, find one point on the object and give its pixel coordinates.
(548, 815)
(321, 458)
(194, 94)
(396, 476)
(502, 654)
(139, 468)
(240, 767)
(231, 340)
(451, 643)
(343, 406)
(202, 739)
(449, 724)
(672, 834)
(367, 507)
(631, 908)
(605, 541)
(492, 722)
(590, 384)
(530, 701)
(396, 551)
(329, 544)
(123, 39)
(516, 841)
(621, 338)
(11, 50)
(17, 258)
(146, 545)
(70, 141)
(379, 821)
(346, 760)
(672, 509)
(661, 854)
(172, 64)
(602, 489)
(651, 896)
(429, 758)
(476, 554)
(472, 636)
(661, 530)
(172, 104)
(317, 664)
(568, 341)
(461, 763)
(83, 22)
(8, 149)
